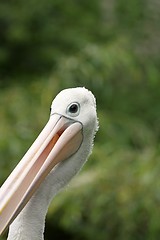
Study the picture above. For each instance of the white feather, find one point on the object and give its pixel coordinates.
(29, 224)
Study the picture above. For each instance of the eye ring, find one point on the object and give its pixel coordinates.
(73, 109)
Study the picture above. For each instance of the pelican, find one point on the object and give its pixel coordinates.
(58, 153)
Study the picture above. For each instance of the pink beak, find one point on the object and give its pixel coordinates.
(60, 139)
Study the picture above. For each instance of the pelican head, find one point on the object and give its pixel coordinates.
(54, 158)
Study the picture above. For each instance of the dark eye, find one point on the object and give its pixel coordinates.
(73, 109)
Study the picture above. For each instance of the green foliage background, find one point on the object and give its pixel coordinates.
(112, 48)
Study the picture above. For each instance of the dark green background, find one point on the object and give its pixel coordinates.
(112, 48)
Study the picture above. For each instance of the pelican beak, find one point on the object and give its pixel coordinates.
(60, 138)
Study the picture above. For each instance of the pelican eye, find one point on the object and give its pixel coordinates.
(73, 109)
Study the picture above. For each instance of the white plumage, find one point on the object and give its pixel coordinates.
(77, 105)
